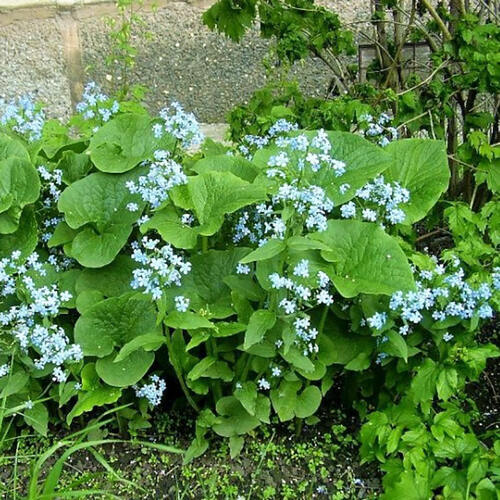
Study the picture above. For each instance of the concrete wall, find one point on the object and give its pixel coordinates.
(51, 47)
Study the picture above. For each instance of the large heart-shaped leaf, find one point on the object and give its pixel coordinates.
(98, 205)
(215, 194)
(365, 259)
(97, 249)
(100, 199)
(126, 372)
(111, 280)
(124, 142)
(114, 321)
(421, 166)
(24, 239)
(19, 186)
(9, 147)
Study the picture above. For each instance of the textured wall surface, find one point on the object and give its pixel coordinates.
(51, 50)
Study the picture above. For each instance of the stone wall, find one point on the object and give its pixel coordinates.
(51, 47)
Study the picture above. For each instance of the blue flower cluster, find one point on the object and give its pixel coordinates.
(181, 303)
(183, 126)
(311, 202)
(252, 143)
(153, 391)
(300, 294)
(383, 199)
(259, 225)
(50, 192)
(441, 294)
(4, 370)
(379, 128)
(30, 323)
(23, 116)
(163, 174)
(96, 105)
(160, 267)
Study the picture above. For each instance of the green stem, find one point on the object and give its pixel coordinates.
(204, 244)
(246, 367)
(298, 421)
(216, 386)
(322, 320)
(178, 371)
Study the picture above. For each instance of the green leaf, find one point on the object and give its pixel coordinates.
(235, 445)
(37, 417)
(123, 142)
(247, 396)
(235, 419)
(97, 397)
(366, 259)
(127, 372)
(98, 249)
(24, 239)
(284, 399)
(62, 234)
(223, 329)
(215, 194)
(10, 147)
(114, 321)
(308, 402)
(398, 345)
(111, 280)
(74, 166)
(359, 363)
(270, 249)
(90, 379)
(19, 178)
(171, 228)
(245, 286)
(260, 322)
(19, 186)
(421, 166)
(148, 342)
(187, 321)
(219, 370)
(208, 271)
(230, 19)
(236, 165)
(338, 345)
(100, 199)
(200, 368)
(98, 205)
(423, 385)
(88, 298)
(13, 384)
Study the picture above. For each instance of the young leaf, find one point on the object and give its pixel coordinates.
(260, 322)
(97, 397)
(270, 249)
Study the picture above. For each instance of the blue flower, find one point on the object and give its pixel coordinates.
(153, 391)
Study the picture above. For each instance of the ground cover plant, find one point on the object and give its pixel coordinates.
(243, 282)
(333, 265)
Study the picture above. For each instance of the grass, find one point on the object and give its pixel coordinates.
(92, 463)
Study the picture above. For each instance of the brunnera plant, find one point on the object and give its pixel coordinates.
(246, 277)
